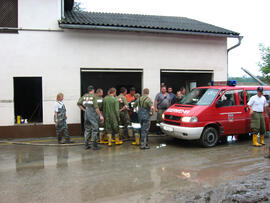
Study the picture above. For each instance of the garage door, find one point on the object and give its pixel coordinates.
(186, 78)
(107, 78)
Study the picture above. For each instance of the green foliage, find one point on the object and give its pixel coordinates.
(247, 79)
(242, 79)
(77, 6)
(265, 64)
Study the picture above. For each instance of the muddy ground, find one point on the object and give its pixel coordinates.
(171, 171)
(253, 188)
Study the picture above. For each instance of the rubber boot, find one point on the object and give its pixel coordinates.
(137, 139)
(121, 132)
(95, 145)
(101, 139)
(67, 141)
(117, 140)
(255, 141)
(109, 139)
(143, 144)
(113, 140)
(59, 139)
(130, 133)
(262, 139)
(105, 138)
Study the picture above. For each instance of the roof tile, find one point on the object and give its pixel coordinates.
(157, 23)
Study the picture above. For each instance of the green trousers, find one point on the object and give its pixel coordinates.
(257, 124)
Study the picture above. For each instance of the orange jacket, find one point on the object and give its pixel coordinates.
(130, 98)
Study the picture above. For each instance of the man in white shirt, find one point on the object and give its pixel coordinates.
(60, 119)
(256, 104)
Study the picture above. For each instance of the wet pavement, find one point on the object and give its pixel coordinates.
(168, 171)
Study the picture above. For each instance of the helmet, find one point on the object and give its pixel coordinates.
(260, 89)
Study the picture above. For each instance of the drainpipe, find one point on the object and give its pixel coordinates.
(233, 47)
(62, 9)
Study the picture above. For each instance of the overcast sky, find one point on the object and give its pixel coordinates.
(248, 17)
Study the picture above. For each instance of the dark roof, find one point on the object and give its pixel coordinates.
(143, 23)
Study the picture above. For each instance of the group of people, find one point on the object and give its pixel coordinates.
(112, 118)
(164, 99)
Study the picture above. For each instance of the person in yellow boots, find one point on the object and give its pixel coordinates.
(111, 117)
(124, 116)
(257, 104)
(136, 126)
(146, 110)
(99, 96)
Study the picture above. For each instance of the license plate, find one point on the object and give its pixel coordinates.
(170, 129)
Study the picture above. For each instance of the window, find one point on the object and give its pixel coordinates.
(28, 98)
(240, 96)
(200, 96)
(266, 93)
(250, 93)
(227, 99)
(9, 15)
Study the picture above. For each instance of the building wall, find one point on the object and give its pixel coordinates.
(58, 56)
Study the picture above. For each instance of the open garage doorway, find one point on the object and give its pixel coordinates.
(28, 98)
(107, 78)
(186, 78)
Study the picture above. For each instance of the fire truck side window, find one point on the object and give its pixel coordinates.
(227, 99)
(241, 97)
(250, 93)
(266, 93)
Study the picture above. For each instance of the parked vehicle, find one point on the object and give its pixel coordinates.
(212, 113)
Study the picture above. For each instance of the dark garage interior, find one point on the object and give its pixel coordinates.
(28, 98)
(107, 78)
(177, 79)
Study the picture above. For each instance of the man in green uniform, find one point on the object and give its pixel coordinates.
(124, 116)
(99, 94)
(112, 117)
(146, 109)
(88, 104)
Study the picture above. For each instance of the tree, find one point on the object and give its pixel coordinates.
(265, 61)
(77, 6)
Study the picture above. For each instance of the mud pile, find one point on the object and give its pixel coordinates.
(253, 188)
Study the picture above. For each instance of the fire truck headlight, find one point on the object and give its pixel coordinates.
(163, 116)
(189, 119)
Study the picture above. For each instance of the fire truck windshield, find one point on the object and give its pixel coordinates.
(200, 96)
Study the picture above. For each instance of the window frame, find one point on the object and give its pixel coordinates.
(12, 15)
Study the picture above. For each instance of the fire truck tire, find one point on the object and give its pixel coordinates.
(209, 137)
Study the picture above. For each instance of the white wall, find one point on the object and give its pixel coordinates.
(58, 56)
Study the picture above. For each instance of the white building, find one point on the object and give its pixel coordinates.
(45, 51)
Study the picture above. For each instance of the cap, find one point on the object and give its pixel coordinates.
(90, 88)
(260, 89)
(137, 95)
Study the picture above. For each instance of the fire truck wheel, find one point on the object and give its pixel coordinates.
(209, 137)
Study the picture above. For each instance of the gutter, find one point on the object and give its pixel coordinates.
(132, 29)
(31, 29)
(238, 44)
(231, 48)
(62, 9)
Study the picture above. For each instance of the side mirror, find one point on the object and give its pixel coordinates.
(218, 103)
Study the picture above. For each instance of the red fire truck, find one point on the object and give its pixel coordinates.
(212, 113)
